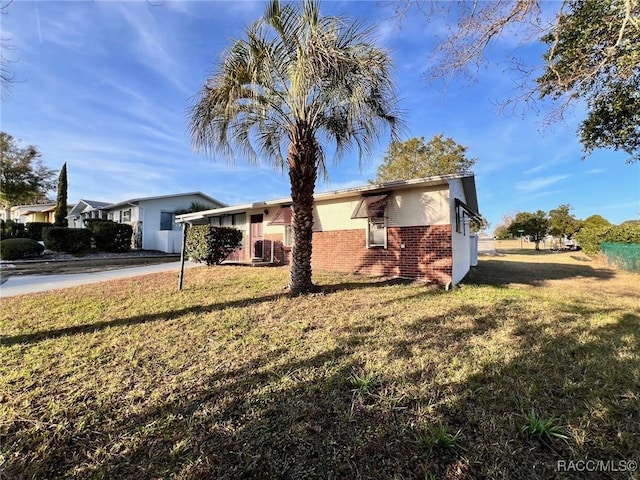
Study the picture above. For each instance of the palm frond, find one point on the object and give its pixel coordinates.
(297, 68)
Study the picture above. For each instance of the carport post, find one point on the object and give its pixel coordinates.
(182, 249)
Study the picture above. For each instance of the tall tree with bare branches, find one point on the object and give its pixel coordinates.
(297, 81)
(6, 76)
(593, 56)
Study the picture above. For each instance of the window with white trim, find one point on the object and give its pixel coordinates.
(283, 217)
(377, 232)
(373, 208)
(287, 240)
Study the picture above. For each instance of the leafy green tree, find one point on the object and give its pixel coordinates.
(194, 207)
(562, 223)
(594, 52)
(297, 79)
(23, 177)
(631, 222)
(534, 225)
(592, 57)
(501, 232)
(415, 158)
(595, 222)
(60, 214)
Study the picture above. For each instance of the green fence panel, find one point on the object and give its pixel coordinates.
(623, 255)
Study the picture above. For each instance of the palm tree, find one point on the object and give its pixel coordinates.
(297, 80)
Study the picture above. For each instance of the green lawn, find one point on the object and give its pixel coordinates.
(534, 360)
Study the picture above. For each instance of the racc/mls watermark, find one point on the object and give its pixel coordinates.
(596, 466)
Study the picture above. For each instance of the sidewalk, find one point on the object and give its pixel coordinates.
(21, 284)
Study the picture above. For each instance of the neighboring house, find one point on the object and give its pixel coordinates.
(40, 212)
(152, 218)
(86, 209)
(414, 229)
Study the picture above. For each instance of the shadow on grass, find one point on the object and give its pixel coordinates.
(305, 417)
(172, 314)
(135, 320)
(346, 286)
(502, 273)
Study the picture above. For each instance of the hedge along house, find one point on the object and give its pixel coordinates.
(152, 218)
(414, 229)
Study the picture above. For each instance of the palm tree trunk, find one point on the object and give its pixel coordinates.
(302, 174)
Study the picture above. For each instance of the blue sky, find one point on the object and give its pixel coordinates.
(105, 87)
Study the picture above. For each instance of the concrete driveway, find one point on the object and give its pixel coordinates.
(21, 284)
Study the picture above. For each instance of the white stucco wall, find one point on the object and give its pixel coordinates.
(461, 241)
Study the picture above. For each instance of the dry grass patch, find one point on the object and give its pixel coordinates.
(370, 379)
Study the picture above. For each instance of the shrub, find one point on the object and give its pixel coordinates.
(590, 239)
(13, 229)
(34, 230)
(68, 240)
(206, 243)
(110, 236)
(17, 248)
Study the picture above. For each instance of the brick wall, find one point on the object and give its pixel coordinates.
(427, 254)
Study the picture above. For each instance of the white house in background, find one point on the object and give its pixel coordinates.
(85, 209)
(152, 218)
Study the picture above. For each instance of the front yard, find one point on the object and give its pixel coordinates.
(231, 379)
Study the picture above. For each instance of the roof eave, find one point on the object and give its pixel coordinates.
(347, 192)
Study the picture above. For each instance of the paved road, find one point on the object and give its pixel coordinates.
(486, 245)
(21, 284)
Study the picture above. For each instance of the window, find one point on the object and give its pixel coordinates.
(240, 220)
(236, 220)
(110, 216)
(288, 236)
(283, 217)
(125, 216)
(373, 208)
(377, 232)
(166, 221)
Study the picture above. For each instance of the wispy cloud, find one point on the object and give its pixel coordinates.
(536, 169)
(539, 183)
(152, 43)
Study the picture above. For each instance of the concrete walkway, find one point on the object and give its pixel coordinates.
(21, 284)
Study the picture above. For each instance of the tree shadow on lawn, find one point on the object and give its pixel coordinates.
(36, 337)
(502, 273)
(308, 418)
